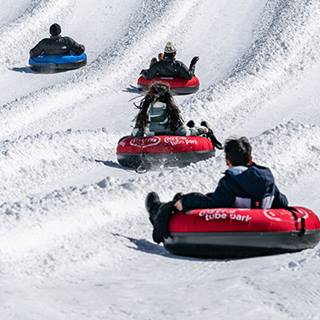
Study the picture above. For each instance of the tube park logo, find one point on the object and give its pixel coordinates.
(244, 214)
(224, 214)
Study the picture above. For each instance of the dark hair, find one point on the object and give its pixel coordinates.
(159, 92)
(169, 56)
(55, 29)
(238, 151)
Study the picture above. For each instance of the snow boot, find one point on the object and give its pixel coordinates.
(211, 136)
(190, 124)
(161, 222)
(152, 204)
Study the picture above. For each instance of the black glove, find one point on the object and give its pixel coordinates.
(194, 61)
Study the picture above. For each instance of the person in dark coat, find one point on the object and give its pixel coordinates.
(168, 66)
(244, 185)
(57, 45)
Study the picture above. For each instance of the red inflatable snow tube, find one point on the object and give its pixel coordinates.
(177, 85)
(238, 233)
(173, 150)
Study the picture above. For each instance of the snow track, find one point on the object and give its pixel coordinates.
(125, 53)
(77, 215)
(75, 237)
(286, 43)
(32, 22)
(29, 164)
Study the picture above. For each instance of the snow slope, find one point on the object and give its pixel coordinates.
(75, 239)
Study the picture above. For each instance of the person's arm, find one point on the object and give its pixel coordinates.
(74, 46)
(184, 71)
(37, 50)
(280, 200)
(192, 68)
(151, 73)
(222, 197)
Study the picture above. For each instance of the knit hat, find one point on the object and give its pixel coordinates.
(170, 48)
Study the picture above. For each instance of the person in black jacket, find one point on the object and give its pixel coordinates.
(245, 185)
(168, 66)
(57, 45)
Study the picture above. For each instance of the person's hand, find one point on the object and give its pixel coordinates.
(194, 60)
(178, 205)
(205, 130)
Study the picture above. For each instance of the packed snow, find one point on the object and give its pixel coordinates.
(75, 237)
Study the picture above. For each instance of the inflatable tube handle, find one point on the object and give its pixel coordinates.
(297, 215)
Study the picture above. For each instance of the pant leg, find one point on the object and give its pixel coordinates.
(161, 222)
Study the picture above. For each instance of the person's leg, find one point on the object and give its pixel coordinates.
(211, 136)
(152, 204)
(161, 221)
(159, 215)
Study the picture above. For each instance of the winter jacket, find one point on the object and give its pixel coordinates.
(159, 124)
(57, 46)
(169, 67)
(241, 187)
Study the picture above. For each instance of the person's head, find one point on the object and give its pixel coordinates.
(55, 30)
(238, 152)
(159, 92)
(170, 50)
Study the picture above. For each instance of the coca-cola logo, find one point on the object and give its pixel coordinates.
(175, 140)
(145, 142)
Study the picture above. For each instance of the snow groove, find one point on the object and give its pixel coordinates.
(285, 46)
(28, 164)
(27, 29)
(77, 215)
(293, 148)
(80, 220)
(108, 70)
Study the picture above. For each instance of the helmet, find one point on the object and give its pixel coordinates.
(170, 48)
(55, 29)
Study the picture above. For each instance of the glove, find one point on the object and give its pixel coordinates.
(194, 61)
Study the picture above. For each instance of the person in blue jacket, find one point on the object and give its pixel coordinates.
(244, 185)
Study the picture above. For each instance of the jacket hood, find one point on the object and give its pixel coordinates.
(255, 181)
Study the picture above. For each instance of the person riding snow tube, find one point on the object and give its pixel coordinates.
(240, 233)
(174, 73)
(57, 53)
(160, 135)
(246, 215)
